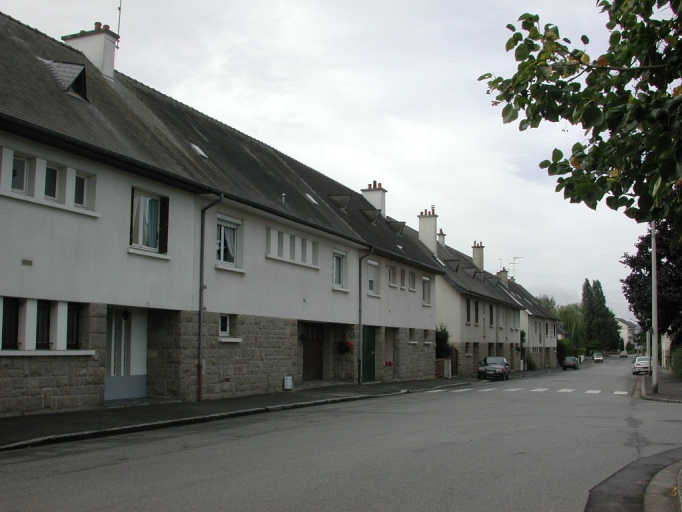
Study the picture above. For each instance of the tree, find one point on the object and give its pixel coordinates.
(549, 302)
(571, 316)
(601, 326)
(628, 101)
(443, 348)
(637, 286)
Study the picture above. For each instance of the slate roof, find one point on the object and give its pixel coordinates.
(130, 126)
(464, 276)
(528, 301)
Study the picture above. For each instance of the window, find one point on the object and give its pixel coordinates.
(43, 325)
(412, 281)
(224, 329)
(468, 311)
(73, 318)
(402, 278)
(491, 313)
(373, 277)
(476, 312)
(229, 240)
(149, 222)
(51, 182)
(426, 291)
(546, 329)
(392, 276)
(10, 323)
(80, 197)
(20, 174)
(339, 269)
(290, 248)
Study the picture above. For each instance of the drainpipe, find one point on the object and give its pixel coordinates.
(200, 364)
(371, 251)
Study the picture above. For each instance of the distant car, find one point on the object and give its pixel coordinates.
(493, 368)
(642, 364)
(597, 357)
(571, 362)
(623, 353)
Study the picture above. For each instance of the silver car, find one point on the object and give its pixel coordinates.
(642, 364)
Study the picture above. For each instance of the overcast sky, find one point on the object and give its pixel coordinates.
(383, 90)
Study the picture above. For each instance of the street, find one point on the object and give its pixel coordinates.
(539, 443)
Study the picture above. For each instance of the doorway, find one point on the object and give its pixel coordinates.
(312, 352)
(368, 354)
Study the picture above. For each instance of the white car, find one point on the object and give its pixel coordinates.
(642, 364)
(597, 357)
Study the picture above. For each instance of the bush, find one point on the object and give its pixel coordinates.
(443, 348)
(676, 361)
(530, 364)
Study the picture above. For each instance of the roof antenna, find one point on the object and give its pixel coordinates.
(118, 29)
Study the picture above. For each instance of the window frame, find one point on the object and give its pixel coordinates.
(392, 276)
(48, 182)
(468, 311)
(373, 278)
(412, 281)
(137, 236)
(339, 269)
(426, 291)
(24, 179)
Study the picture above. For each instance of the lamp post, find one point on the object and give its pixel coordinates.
(654, 312)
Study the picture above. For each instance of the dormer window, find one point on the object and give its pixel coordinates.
(69, 77)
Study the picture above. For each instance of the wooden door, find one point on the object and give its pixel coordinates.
(312, 352)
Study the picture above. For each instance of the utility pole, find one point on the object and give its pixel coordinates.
(654, 311)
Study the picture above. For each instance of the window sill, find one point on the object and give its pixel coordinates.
(428, 343)
(149, 254)
(225, 339)
(340, 289)
(413, 343)
(413, 289)
(42, 353)
(292, 262)
(229, 267)
(426, 304)
(375, 295)
(50, 203)
(391, 285)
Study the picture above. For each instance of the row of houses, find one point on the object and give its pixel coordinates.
(150, 250)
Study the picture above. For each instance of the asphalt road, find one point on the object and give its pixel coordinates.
(534, 444)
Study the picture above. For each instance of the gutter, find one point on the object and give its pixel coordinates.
(200, 361)
(371, 251)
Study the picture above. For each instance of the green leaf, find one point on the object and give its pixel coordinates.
(544, 164)
(511, 43)
(511, 27)
(521, 52)
(592, 117)
(509, 114)
(557, 155)
(485, 76)
(585, 39)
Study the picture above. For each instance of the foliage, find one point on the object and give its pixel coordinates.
(571, 316)
(564, 348)
(443, 348)
(628, 101)
(346, 347)
(601, 326)
(676, 361)
(637, 286)
(530, 364)
(549, 302)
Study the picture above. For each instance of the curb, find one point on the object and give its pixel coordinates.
(655, 399)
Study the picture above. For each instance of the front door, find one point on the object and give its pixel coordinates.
(126, 352)
(368, 359)
(312, 352)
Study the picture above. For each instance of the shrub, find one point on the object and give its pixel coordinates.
(530, 364)
(443, 348)
(676, 361)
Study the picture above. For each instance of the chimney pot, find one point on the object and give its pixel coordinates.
(379, 185)
(374, 184)
(98, 25)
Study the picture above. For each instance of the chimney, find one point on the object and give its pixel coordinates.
(477, 250)
(441, 237)
(428, 223)
(98, 45)
(376, 195)
(502, 274)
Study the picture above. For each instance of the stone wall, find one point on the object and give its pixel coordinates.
(31, 384)
(414, 356)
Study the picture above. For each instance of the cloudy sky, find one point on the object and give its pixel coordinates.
(383, 90)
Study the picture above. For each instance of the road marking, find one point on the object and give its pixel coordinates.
(538, 390)
(566, 391)
(593, 391)
(460, 390)
(514, 389)
(435, 390)
(621, 393)
(488, 389)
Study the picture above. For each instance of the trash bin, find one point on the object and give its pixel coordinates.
(288, 383)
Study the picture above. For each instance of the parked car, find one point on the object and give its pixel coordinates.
(623, 353)
(642, 364)
(571, 362)
(597, 357)
(493, 368)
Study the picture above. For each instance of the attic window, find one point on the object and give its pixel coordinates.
(396, 226)
(199, 151)
(69, 77)
(439, 261)
(372, 215)
(311, 199)
(341, 201)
